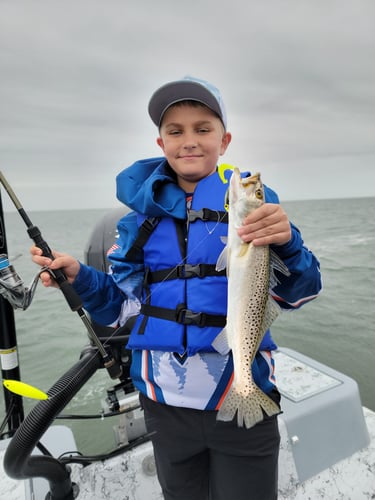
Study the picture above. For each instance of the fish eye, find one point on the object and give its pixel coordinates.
(259, 194)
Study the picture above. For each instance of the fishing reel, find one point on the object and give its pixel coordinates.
(12, 287)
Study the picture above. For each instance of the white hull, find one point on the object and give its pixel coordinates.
(308, 388)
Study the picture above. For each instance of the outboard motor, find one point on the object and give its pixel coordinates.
(100, 241)
(102, 238)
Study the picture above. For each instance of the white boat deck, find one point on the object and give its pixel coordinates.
(323, 420)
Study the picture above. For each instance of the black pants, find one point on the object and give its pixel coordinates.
(200, 458)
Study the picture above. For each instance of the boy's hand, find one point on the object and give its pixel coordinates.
(268, 224)
(63, 261)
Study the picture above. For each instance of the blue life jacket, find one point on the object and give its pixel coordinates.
(184, 300)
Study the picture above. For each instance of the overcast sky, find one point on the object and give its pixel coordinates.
(297, 78)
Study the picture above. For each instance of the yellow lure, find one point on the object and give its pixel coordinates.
(221, 169)
(25, 390)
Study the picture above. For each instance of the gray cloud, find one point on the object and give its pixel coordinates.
(297, 78)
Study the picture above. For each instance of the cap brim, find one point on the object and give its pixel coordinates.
(174, 92)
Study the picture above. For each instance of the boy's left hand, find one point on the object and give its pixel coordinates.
(268, 224)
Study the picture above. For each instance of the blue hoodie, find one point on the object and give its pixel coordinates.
(149, 188)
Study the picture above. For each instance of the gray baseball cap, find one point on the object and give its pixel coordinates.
(186, 89)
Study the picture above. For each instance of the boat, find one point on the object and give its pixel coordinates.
(327, 437)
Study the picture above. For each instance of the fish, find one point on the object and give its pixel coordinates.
(251, 309)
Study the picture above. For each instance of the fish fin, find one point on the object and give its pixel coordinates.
(249, 407)
(222, 260)
(271, 312)
(220, 343)
(243, 249)
(276, 264)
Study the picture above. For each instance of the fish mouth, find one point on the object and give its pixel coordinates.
(253, 179)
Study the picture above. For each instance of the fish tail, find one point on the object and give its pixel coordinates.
(250, 408)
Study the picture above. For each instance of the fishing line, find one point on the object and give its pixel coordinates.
(211, 231)
(181, 262)
(184, 259)
(222, 168)
(73, 298)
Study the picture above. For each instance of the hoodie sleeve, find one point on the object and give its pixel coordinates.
(100, 295)
(104, 294)
(146, 187)
(304, 282)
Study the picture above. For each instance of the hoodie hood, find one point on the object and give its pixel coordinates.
(149, 188)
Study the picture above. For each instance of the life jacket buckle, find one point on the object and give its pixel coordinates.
(193, 215)
(189, 271)
(188, 317)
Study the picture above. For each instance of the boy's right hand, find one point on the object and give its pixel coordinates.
(62, 261)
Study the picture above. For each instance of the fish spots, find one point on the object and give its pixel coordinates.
(248, 301)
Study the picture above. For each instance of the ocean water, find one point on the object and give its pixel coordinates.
(337, 329)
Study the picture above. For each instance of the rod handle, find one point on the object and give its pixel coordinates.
(70, 294)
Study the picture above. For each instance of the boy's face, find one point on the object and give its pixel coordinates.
(192, 139)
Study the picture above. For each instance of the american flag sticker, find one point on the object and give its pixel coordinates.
(113, 248)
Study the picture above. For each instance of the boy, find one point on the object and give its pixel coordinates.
(163, 269)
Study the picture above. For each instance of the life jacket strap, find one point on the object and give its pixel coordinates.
(184, 316)
(206, 214)
(149, 224)
(183, 271)
(145, 231)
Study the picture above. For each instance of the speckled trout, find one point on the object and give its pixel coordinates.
(251, 309)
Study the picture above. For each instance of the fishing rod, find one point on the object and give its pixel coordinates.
(73, 299)
(9, 362)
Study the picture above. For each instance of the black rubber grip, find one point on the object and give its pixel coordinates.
(70, 294)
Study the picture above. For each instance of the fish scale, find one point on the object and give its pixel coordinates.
(251, 310)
